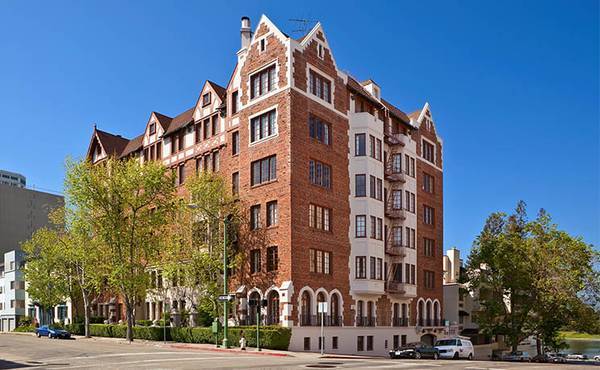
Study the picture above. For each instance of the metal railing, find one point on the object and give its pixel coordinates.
(395, 138)
(394, 212)
(365, 321)
(394, 172)
(315, 320)
(430, 322)
(400, 321)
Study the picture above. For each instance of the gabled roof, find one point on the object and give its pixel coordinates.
(220, 90)
(395, 111)
(112, 144)
(133, 145)
(359, 89)
(180, 121)
(164, 121)
(415, 115)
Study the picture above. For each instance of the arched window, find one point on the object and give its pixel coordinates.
(436, 312)
(396, 315)
(306, 309)
(370, 314)
(273, 308)
(421, 310)
(320, 299)
(253, 307)
(405, 313)
(336, 319)
(428, 312)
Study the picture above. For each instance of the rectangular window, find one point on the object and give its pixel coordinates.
(397, 236)
(264, 170)
(372, 267)
(379, 268)
(206, 125)
(235, 143)
(319, 217)
(372, 148)
(428, 247)
(397, 163)
(361, 267)
(216, 163)
(360, 185)
(262, 82)
(360, 343)
(255, 217)
(319, 130)
(319, 173)
(379, 235)
(152, 129)
(320, 261)
(215, 124)
(307, 343)
(174, 144)
(397, 199)
(378, 150)
(412, 274)
(429, 279)
(412, 167)
(334, 342)
(361, 226)
(181, 140)
(379, 194)
(360, 148)
(272, 259)
(235, 183)
(369, 342)
(320, 86)
(255, 261)
(234, 102)
(428, 215)
(159, 150)
(373, 227)
(428, 151)
(407, 272)
(372, 186)
(206, 99)
(272, 213)
(263, 126)
(198, 132)
(428, 183)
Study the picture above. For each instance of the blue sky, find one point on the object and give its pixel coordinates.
(513, 86)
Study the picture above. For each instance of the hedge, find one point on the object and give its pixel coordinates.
(24, 329)
(272, 337)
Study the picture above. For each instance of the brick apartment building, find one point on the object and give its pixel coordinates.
(346, 187)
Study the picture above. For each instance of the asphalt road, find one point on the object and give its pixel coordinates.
(25, 351)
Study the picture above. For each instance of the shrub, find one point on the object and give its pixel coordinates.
(271, 337)
(151, 333)
(24, 329)
(25, 321)
(77, 329)
(143, 322)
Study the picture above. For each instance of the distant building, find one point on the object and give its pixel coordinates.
(23, 211)
(12, 179)
(460, 303)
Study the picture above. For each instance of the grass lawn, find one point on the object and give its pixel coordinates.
(576, 335)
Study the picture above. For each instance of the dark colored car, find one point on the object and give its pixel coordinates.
(52, 332)
(415, 350)
(555, 358)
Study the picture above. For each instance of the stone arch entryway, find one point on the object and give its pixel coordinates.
(273, 308)
(428, 339)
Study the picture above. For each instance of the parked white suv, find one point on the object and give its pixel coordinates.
(455, 348)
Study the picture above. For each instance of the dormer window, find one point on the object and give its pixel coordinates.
(152, 128)
(262, 82)
(206, 99)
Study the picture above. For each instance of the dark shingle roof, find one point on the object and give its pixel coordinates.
(133, 145)
(112, 144)
(180, 121)
(357, 88)
(395, 111)
(220, 90)
(164, 121)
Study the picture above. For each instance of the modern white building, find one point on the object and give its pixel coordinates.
(12, 179)
(12, 290)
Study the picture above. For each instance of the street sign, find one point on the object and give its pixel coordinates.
(322, 308)
(226, 298)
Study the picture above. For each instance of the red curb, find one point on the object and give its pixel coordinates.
(232, 350)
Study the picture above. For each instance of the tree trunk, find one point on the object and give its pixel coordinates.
(86, 316)
(538, 345)
(129, 314)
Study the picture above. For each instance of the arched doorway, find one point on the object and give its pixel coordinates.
(428, 339)
(254, 308)
(336, 319)
(305, 309)
(273, 308)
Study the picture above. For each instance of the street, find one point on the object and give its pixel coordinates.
(20, 351)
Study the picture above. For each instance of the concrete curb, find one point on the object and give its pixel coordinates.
(214, 349)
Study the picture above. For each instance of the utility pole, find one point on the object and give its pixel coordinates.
(225, 287)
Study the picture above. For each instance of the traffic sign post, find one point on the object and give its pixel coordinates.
(322, 309)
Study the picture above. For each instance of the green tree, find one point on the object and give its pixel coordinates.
(46, 271)
(128, 207)
(529, 276)
(194, 259)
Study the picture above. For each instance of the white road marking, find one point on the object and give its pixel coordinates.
(150, 361)
(119, 355)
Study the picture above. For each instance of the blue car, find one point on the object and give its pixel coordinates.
(52, 332)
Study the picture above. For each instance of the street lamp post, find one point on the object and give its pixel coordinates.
(225, 287)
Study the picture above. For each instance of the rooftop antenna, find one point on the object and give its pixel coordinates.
(302, 24)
